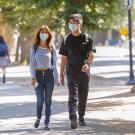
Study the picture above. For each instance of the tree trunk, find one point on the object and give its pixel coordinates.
(17, 51)
(23, 53)
(25, 45)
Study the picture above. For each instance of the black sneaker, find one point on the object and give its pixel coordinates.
(36, 124)
(46, 127)
(74, 124)
(82, 122)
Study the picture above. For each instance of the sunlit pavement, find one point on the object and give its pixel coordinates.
(110, 108)
(108, 112)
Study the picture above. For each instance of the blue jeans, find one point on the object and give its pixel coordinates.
(44, 92)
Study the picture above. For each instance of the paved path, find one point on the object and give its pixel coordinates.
(110, 108)
(109, 112)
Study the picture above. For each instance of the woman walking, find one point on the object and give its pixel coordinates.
(43, 67)
(4, 57)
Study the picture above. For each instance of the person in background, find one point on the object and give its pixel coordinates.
(77, 56)
(133, 89)
(43, 68)
(4, 57)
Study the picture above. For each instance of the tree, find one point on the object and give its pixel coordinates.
(98, 14)
(28, 15)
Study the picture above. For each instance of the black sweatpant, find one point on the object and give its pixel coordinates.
(78, 86)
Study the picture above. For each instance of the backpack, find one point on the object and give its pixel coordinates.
(3, 49)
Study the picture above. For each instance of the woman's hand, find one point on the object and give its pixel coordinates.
(33, 82)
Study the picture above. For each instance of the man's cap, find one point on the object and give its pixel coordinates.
(77, 17)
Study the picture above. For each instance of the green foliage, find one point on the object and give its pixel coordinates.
(97, 13)
(28, 15)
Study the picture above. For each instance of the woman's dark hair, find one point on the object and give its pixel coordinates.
(37, 40)
(2, 40)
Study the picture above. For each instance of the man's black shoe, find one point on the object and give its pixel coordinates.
(74, 124)
(46, 127)
(82, 122)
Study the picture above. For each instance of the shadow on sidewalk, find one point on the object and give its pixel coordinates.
(110, 102)
(120, 95)
(94, 127)
(27, 109)
(103, 105)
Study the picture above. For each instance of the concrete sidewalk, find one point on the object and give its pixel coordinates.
(110, 108)
(109, 112)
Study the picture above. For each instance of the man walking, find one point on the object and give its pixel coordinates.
(77, 55)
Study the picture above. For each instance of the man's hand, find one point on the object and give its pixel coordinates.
(90, 57)
(62, 79)
(58, 83)
(62, 68)
(85, 68)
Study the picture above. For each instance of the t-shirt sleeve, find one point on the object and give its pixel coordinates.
(63, 49)
(90, 46)
(33, 63)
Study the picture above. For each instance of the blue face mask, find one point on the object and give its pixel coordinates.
(43, 36)
(72, 27)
